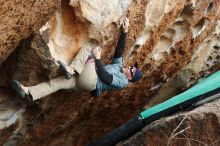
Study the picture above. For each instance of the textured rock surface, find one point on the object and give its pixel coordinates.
(11, 106)
(105, 12)
(19, 19)
(197, 127)
(168, 38)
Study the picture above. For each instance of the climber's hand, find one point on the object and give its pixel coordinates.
(125, 25)
(97, 52)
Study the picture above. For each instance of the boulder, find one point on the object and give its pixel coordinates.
(174, 43)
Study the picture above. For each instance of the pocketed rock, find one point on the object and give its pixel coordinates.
(19, 19)
(167, 38)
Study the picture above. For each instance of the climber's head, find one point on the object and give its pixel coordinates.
(133, 73)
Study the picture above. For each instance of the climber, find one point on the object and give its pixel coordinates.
(86, 72)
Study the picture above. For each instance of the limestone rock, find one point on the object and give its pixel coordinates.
(174, 43)
(102, 13)
(19, 19)
(197, 127)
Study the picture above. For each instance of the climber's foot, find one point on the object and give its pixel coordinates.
(20, 89)
(69, 71)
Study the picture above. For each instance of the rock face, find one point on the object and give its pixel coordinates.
(197, 127)
(174, 43)
(19, 19)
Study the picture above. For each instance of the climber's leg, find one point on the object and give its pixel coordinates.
(79, 61)
(46, 88)
(88, 78)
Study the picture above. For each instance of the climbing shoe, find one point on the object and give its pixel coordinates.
(18, 89)
(68, 75)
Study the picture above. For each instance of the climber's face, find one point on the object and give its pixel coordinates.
(129, 72)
